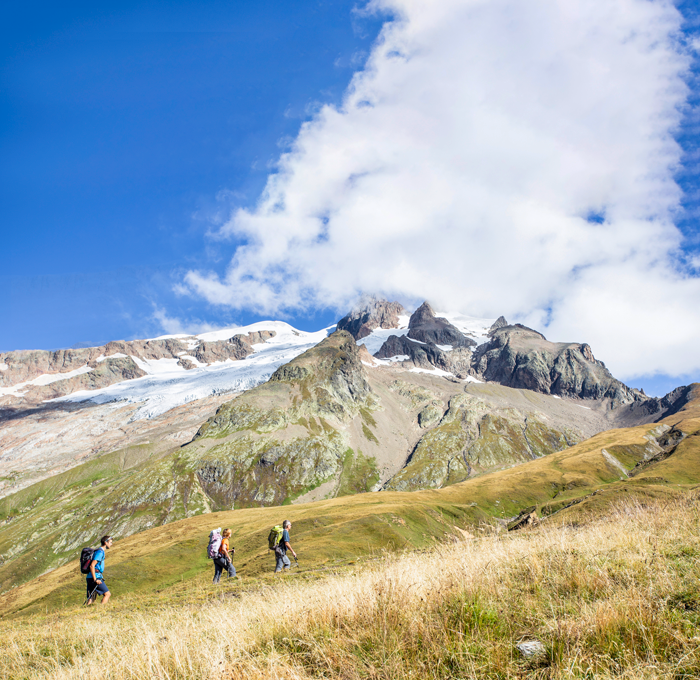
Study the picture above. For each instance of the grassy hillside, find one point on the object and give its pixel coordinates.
(641, 462)
(324, 426)
(612, 597)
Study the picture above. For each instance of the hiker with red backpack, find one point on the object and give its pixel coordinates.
(92, 564)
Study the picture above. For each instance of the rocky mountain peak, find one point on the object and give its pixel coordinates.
(424, 326)
(500, 322)
(518, 356)
(515, 332)
(334, 363)
(424, 314)
(369, 314)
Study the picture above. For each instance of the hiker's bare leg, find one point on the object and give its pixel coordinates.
(106, 597)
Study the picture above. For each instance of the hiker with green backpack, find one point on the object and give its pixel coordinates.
(278, 540)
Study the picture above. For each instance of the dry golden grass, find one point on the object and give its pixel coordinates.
(616, 597)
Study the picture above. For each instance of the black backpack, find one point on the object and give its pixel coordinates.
(85, 560)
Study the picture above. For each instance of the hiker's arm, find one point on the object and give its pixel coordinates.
(92, 570)
(289, 547)
(226, 555)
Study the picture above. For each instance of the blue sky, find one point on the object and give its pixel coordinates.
(136, 142)
(118, 129)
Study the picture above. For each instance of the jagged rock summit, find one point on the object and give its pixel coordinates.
(512, 355)
(500, 322)
(424, 326)
(371, 313)
(520, 357)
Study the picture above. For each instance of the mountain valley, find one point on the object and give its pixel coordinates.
(385, 402)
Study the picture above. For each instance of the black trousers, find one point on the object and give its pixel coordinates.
(221, 563)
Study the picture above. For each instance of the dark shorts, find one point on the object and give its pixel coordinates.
(102, 588)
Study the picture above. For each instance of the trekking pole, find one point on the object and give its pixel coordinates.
(296, 561)
(89, 597)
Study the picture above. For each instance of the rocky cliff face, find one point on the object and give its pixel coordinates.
(372, 313)
(94, 367)
(520, 357)
(424, 326)
(471, 438)
(514, 356)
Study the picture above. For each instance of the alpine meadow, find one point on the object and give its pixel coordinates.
(352, 340)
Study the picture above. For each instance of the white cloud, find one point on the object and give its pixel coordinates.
(175, 326)
(463, 165)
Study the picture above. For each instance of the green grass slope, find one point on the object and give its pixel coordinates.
(321, 427)
(563, 485)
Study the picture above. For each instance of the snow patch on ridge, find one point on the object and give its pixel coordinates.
(118, 355)
(42, 380)
(475, 328)
(433, 371)
(374, 341)
(168, 385)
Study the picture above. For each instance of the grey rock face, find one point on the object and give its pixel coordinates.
(427, 355)
(426, 327)
(517, 356)
(107, 369)
(422, 355)
(500, 322)
(656, 408)
(372, 313)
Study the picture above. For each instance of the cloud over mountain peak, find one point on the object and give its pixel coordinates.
(498, 158)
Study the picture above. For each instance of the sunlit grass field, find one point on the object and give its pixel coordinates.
(426, 584)
(613, 595)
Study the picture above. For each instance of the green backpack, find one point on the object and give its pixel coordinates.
(273, 540)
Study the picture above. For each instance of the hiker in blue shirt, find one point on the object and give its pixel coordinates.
(95, 577)
(281, 549)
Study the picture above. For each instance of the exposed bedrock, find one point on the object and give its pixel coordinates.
(517, 356)
(287, 436)
(114, 362)
(370, 314)
(426, 327)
